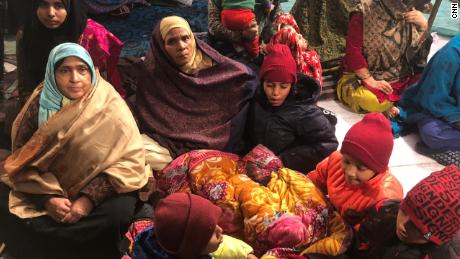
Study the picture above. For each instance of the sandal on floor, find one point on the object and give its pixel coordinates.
(442, 157)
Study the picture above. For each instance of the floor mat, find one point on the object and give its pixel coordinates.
(136, 29)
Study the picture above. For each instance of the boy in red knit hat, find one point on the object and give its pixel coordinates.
(185, 227)
(357, 177)
(285, 117)
(424, 223)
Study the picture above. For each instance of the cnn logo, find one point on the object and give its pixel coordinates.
(454, 10)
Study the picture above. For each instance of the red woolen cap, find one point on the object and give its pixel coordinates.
(279, 65)
(184, 223)
(370, 141)
(433, 205)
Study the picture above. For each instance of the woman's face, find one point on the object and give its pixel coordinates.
(179, 46)
(276, 92)
(355, 172)
(51, 13)
(73, 78)
(407, 231)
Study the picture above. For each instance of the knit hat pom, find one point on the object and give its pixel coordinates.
(279, 65)
(370, 141)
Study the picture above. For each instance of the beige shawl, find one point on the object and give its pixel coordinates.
(96, 134)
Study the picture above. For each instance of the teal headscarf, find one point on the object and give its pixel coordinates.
(51, 97)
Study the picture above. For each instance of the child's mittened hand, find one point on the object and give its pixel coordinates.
(457, 124)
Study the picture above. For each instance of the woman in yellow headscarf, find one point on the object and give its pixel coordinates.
(189, 96)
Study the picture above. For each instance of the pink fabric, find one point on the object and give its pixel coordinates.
(135, 229)
(398, 89)
(308, 61)
(105, 49)
(288, 231)
(285, 19)
(260, 163)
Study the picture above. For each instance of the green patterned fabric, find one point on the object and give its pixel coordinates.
(324, 24)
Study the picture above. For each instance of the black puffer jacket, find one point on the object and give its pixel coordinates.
(299, 132)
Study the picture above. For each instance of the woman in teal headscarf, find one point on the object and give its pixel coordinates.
(77, 157)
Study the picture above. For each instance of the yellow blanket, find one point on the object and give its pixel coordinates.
(249, 208)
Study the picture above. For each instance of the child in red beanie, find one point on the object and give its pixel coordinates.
(285, 117)
(422, 224)
(357, 177)
(185, 227)
(238, 15)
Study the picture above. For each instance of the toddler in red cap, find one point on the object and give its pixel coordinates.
(358, 177)
(423, 223)
(185, 227)
(285, 117)
(238, 15)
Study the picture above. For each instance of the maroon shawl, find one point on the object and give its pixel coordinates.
(192, 111)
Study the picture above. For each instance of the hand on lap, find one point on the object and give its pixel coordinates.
(381, 85)
(80, 208)
(58, 207)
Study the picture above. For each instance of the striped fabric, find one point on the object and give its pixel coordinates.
(329, 87)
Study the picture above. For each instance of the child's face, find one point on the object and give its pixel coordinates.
(276, 92)
(355, 172)
(407, 231)
(215, 240)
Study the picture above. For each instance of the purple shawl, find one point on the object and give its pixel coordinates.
(184, 112)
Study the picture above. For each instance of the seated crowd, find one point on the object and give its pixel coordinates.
(232, 157)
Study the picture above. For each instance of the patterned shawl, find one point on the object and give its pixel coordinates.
(191, 111)
(308, 61)
(387, 38)
(95, 134)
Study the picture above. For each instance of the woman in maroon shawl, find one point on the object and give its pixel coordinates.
(189, 96)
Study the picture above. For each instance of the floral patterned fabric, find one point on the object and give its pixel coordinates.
(287, 32)
(249, 208)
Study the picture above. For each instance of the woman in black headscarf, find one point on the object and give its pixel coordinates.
(52, 22)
